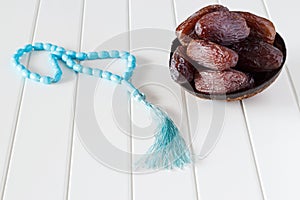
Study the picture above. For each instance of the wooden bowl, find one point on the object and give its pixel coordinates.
(262, 79)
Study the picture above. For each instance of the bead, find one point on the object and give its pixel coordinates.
(131, 58)
(137, 95)
(20, 67)
(131, 66)
(143, 96)
(81, 56)
(70, 63)
(57, 77)
(92, 56)
(87, 70)
(15, 62)
(34, 76)
(77, 68)
(46, 80)
(38, 46)
(53, 48)
(127, 75)
(56, 66)
(52, 58)
(103, 54)
(124, 54)
(71, 54)
(138, 98)
(116, 78)
(25, 73)
(57, 53)
(96, 72)
(106, 75)
(114, 54)
(15, 57)
(134, 93)
(64, 57)
(47, 46)
(28, 48)
(20, 52)
(60, 49)
(58, 71)
(100, 73)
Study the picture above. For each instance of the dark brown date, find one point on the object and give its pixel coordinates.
(185, 31)
(257, 56)
(181, 69)
(221, 82)
(260, 27)
(222, 27)
(211, 55)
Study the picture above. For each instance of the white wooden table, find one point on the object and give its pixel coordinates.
(42, 157)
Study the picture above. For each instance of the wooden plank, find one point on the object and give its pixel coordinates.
(276, 140)
(92, 176)
(152, 77)
(230, 168)
(273, 120)
(39, 162)
(281, 13)
(16, 19)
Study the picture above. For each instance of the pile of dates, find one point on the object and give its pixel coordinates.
(220, 50)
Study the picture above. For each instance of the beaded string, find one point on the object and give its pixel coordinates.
(72, 59)
(169, 149)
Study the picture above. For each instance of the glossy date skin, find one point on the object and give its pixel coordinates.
(260, 27)
(181, 70)
(226, 50)
(185, 31)
(221, 82)
(222, 27)
(211, 55)
(257, 56)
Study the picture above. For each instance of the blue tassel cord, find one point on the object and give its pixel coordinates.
(169, 149)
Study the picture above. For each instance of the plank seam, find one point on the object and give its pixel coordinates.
(131, 180)
(194, 177)
(253, 151)
(19, 105)
(251, 144)
(185, 110)
(293, 87)
(71, 149)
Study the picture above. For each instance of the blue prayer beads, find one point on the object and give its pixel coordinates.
(71, 60)
(169, 147)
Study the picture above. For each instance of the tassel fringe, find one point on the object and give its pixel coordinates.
(169, 149)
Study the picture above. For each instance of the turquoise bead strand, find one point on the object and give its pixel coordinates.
(169, 149)
(71, 59)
